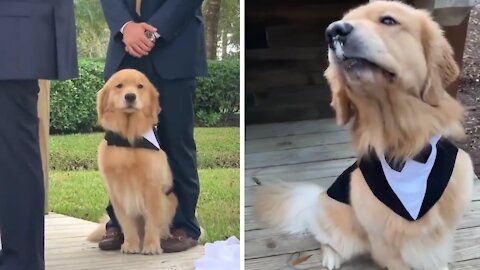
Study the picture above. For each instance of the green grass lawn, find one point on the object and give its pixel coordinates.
(77, 189)
(82, 194)
(216, 148)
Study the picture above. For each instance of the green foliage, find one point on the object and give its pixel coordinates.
(73, 101)
(92, 30)
(218, 95)
(216, 148)
(229, 28)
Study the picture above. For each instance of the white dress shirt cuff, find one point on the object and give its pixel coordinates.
(123, 27)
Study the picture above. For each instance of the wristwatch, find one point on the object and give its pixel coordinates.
(153, 36)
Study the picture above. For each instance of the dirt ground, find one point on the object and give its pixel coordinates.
(469, 91)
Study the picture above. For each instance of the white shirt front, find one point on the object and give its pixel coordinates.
(410, 185)
(150, 136)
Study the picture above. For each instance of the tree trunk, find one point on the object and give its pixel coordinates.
(212, 16)
(224, 44)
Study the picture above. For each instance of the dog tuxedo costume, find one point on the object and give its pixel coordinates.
(148, 141)
(410, 191)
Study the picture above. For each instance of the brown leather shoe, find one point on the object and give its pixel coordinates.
(112, 240)
(177, 242)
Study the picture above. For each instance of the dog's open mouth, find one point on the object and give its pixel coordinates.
(351, 64)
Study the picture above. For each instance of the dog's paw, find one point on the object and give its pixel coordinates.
(330, 258)
(152, 249)
(130, 249)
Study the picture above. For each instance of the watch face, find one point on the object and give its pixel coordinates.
(150, 36)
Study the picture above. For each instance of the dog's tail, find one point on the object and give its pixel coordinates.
(288, 207)
(99, 232)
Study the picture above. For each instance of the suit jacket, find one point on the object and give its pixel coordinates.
(178, 53)
(38, 40)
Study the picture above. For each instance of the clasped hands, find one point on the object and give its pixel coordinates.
(136, 43)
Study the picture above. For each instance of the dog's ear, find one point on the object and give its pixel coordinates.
(442, 67)
(340, 101)
(102, 102)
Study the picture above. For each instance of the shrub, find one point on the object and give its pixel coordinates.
(218, 95)
(73, 101)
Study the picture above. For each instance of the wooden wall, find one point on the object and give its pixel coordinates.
(285, 57)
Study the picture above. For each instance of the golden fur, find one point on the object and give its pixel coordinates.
(396, 106)
(137, 179)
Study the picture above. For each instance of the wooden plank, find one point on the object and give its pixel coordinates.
(290, 129)
(299, 155)
(295, 12)
(470, 219)
(266, 242)
(324, 182)
(320, 169)
(298, 141)
(314, 261)
(302, 94)
(67, 248)
(286, 112)
(285, 54)
(298, 35)
(262, 243)
(286, 77)
(43, 109)
(466, 265)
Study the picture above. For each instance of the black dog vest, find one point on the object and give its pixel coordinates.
(410, 191)
(148, 141)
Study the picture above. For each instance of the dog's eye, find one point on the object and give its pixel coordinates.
(119, 85)
(140, 86)
(388, 20)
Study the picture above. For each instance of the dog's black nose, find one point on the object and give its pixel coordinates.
(130, 97)
(337, 31)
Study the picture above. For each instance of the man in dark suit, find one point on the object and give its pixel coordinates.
(37, 42)
(171, 58)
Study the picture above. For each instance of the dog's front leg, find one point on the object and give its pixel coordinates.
(131, 244)
(386, 257)
(151, 242)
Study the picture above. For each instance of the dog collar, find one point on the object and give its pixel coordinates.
(148, 141)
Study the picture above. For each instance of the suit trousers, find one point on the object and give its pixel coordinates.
(175, 131)
(21, 178)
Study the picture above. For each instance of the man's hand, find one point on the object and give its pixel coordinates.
(136, 43)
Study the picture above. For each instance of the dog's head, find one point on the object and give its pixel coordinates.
(128, 102)
(388, 58)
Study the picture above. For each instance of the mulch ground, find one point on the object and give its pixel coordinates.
(469, 89)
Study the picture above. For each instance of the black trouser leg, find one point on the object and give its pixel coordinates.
(175, 128)
(21, 178)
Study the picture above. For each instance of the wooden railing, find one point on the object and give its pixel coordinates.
(44, 130)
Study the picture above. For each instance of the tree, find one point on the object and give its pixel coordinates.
(92, 29)
(229, 28)
(211, 11)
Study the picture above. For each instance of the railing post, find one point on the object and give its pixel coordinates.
(44, 130)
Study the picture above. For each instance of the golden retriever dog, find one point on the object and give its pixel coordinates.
(135, 169)
(403, 198)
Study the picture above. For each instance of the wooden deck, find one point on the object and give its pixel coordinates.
(66, 248)
(317, 151)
